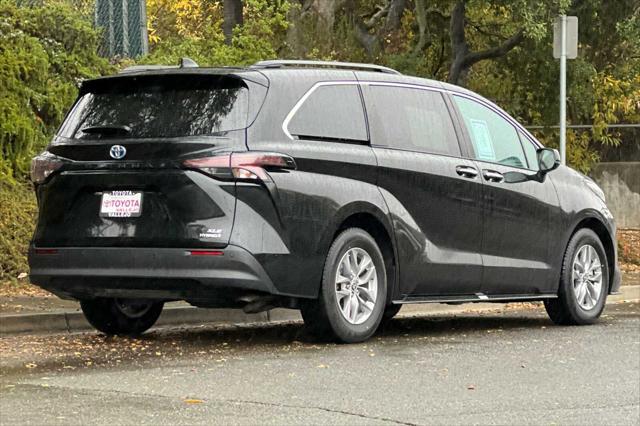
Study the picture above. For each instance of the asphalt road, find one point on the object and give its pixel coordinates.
(501, 367)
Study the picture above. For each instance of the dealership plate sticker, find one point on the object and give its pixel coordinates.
(121, 204)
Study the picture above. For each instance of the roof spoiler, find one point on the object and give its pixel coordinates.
(184, 63)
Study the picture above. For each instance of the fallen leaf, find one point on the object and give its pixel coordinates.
(193, 401)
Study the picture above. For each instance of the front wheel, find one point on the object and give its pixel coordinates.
(584, 282)
(121, 316)
(353, 293)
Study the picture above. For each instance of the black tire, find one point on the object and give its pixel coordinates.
(565, 310)
(323, 316)
(118, 316)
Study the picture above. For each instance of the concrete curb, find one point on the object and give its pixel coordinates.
(70, 322)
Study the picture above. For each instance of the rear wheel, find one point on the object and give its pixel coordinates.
(354, 290)
(584, 281)
(121, 316)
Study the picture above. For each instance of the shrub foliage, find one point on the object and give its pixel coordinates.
(44, 53)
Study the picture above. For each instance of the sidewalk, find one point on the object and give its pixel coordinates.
(36, 315)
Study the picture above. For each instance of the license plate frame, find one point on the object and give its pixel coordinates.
(126, 204)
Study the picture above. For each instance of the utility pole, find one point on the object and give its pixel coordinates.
(565, 45)
(563, 89)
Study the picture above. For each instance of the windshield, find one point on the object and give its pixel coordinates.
(165, 106)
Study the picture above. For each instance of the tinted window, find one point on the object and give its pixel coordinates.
(158, 106)
(331, 112)
(530, 151)
(412, 119)
(494, 138)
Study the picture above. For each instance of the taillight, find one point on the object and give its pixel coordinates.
(205, 253)
(43, 165)
(46, 251)
(218, 166)
(243, 165)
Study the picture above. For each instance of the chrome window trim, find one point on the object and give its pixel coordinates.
(495, 108)
(302, 100)
(486, 103)
(308, 93)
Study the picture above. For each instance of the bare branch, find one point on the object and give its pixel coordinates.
(495, 52)
(463, 59)
(376, 17)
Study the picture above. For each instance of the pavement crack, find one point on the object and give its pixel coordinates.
(313, 407)
(217, 400)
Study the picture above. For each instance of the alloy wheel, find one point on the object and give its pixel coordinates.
(587, 277)
(356, 285)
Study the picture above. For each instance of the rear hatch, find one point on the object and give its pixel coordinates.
(117, 174)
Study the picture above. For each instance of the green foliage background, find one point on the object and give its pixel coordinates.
(17, 217)
(44, 53)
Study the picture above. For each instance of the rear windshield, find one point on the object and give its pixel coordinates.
(165, 106)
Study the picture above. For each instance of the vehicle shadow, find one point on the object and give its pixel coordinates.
(295, 332)
(211, 344)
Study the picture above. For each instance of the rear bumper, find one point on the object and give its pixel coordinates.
(158, 273)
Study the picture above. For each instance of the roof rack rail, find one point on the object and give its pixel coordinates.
(281, 63)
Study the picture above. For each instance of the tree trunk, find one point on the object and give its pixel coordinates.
(462, 59)
(371, 42)
(394, 16)
(231, 18)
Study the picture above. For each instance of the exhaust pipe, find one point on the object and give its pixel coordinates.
(255, 303)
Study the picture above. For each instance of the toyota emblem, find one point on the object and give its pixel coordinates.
(118, 152)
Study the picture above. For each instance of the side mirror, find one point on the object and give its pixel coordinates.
(548, 159)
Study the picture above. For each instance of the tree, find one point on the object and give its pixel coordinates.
(462, 58)
(602, 83)
(387, 18)
(198, 29)
(44, 53)
(232, 18)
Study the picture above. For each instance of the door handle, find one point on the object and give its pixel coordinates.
(467, 171)
(492, 176)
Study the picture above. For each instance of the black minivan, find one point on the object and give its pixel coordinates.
(343, 190)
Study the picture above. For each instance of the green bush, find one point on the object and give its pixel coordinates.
(17, 219)
(260, 37)
(44, 54)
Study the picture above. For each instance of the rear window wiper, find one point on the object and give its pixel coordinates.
(114, 129)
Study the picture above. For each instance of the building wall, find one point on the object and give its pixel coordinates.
(621, 185)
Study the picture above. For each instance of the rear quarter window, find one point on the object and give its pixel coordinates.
(331, 112)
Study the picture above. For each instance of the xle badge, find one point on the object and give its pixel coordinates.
(211, 233)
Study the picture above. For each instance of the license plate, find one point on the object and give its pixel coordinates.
(121, 204)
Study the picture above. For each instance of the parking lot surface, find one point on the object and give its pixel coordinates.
(502, 366)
